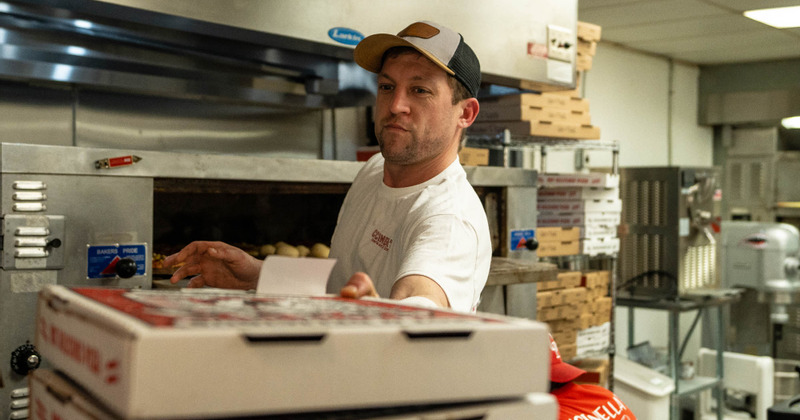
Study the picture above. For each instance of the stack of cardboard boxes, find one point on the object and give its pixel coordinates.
(577, 308)
(535, 114)
(588, 37)
(578, 214)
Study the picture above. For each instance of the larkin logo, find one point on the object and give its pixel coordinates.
(381, 240)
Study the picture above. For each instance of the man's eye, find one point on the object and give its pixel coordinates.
(384, 87)
(421, 91)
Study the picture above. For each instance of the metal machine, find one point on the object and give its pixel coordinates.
(764, 257)
(672, 218)
(84, 216)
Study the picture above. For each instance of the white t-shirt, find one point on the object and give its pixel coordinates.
(437, 229)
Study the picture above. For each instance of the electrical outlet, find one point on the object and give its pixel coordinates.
(561, 44)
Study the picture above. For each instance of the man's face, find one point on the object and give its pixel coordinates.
(415, 119)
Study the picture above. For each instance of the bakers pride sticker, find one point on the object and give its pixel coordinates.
(109, 261)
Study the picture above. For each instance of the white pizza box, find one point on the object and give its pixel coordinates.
(589, 179)
(596, 246)
(573, 206)
(54, 396)
(578, 219)
(598, 231)
(169, 354)
(577, 193)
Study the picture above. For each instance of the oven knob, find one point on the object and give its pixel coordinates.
(25, 359)
(125, 268)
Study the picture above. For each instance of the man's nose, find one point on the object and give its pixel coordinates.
(399, 103)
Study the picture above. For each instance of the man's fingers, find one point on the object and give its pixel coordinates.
(358, 286)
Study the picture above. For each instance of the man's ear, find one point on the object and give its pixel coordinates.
(469, 112)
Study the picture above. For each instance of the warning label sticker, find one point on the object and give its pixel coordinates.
(519, 239)
(102, 260)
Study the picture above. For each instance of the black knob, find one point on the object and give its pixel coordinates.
(54, 243)
(25, 359)
(532, 244)
(125, 268)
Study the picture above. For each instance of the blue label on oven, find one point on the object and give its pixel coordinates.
(519, 238)
(102, 259)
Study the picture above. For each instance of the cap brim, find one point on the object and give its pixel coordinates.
(369, 52)
(564, 372)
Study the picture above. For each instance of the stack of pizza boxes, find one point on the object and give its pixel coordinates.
(578, 214)
(594, 327)
(211, 353)
(558, 303)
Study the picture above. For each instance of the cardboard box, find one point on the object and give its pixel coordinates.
(558, 248)
(55, 397)
(568, 352)
(536, 128)
(610, 205)
(558, 312)
(595, 278)
(564, 280)
(589, 31)
(569, 337)
(596, 371)
(541, 100)
(583, 62)
(564, 325)
(594, 340)
(530, 113)
(558, 233)
(597, 246)
(577, 193)
(591, 179)
(549, 298)
(587, 47)
(200, 353)
(471, 156)
(600, 305)
(597, 231)
(578, 219)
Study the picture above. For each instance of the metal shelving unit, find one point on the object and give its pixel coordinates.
(675, 307)
(505, 143)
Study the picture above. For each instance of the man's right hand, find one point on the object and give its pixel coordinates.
(215, 264)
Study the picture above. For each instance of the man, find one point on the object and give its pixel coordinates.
(579, 401)
(411, 226)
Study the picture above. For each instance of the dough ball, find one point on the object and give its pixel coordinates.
(287, 250)
(320, 251)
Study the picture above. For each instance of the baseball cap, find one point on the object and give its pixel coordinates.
(445, 47)
(561, 371)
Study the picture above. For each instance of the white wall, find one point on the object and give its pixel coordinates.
(631, 102)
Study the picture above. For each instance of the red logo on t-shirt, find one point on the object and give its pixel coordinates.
(381, 240)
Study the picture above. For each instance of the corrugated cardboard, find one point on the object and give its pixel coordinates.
(168, 354)
(591, 179)
(589, 31)
(558, 248)
(531, 113)
(577, 193)
(558, 233)
(541, 100)
(578, 219)
(549, 298)
(536, 128)
(558, 312)
(472, 156)
(587, 205)
(564, 279)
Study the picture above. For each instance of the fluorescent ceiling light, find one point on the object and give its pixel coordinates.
(779, 17)
(791, 122)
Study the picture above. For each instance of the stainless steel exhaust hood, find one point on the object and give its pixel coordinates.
(276, 52)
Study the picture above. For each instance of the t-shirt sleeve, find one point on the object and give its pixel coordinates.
(444, 248)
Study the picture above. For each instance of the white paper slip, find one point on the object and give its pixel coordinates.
(294, 276)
